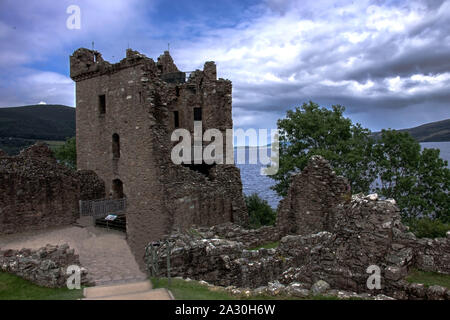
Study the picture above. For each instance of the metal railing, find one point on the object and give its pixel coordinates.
(102, 207)
(154, 252)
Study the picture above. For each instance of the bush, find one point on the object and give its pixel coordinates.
(67, 153)
(428, 228)
(259, 211)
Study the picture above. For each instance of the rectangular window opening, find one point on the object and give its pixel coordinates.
(197, 114)
(176, 119)
(102, 104)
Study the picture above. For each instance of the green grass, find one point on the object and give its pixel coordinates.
(15, 288)
(193, 290)
(429, 278)
(270, 245)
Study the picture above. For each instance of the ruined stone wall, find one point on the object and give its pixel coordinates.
(220, 261)
(139, 108)
(312, 195)
(91, 186)
(360, 232)
(36, 192)
(45, 267)
(250, 238)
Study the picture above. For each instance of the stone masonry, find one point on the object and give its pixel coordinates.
(354, 233)
(125, 114)
(312, 195)
(36, 192)
(45, 267)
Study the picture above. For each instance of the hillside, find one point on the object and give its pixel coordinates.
(22, 126)
(430, 132)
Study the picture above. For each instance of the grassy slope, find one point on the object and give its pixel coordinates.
(21, 127)
(429, 132)
(43, 122)
(15, 288)
(429, 278)
(270, 245)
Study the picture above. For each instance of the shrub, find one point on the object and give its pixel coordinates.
(67, 153)
(428, 228)
(260, 212)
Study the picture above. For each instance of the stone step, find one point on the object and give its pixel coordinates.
(156, 294)
(117, 289)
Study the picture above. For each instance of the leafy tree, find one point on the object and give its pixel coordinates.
(67, 153)
(311, 130)
(260, 212)
(418, 181)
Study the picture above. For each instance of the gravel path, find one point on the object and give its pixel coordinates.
(104, 253)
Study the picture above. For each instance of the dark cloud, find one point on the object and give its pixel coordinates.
(388, 62)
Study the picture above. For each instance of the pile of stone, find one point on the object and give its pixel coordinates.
(45, 267)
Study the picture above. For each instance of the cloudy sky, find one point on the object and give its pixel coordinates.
(387, 62)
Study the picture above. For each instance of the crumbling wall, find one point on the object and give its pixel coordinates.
(311, 197)
(250, 238)
(45, 267)
(139, 107)
(364, 234)
(358, 236)
(36, 192)
(219, 261)
(91, 186)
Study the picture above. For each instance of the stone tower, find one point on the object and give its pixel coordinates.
(125, 114)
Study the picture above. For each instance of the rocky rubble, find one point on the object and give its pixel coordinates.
(45, 267)
(359, 236)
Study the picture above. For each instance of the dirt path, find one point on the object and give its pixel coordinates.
(104, 253)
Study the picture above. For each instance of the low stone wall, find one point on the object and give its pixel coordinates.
(223, 262)
(45, 267)
(432, 254)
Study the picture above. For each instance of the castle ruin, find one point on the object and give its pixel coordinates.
(125, 115)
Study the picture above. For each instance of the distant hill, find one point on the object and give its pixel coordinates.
(22, 126)
(430, 132)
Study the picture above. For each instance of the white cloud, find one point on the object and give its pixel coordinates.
(355, 53)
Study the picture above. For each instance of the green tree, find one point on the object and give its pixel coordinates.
(311, 130)
(67, 153)
(260, 212)
(418, 181)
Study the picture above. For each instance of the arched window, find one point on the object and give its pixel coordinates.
(117, 189)
(116, 146)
